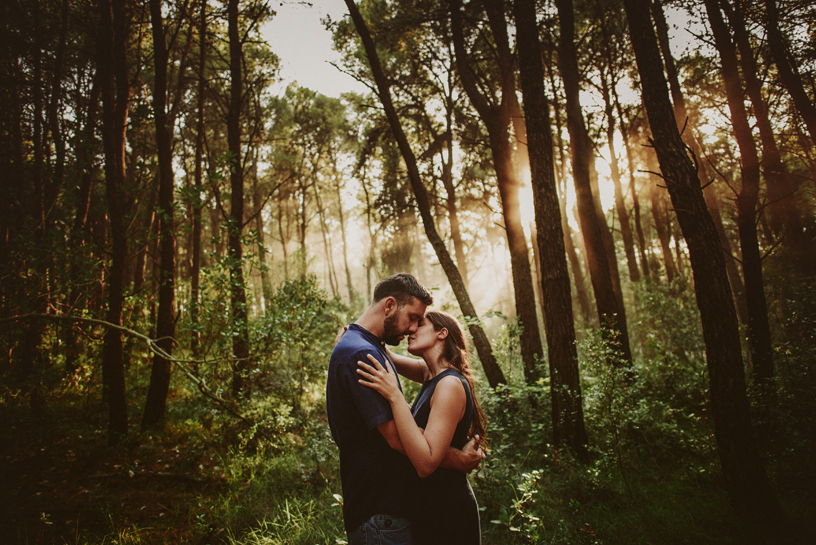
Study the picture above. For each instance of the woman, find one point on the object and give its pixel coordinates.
(444, 414)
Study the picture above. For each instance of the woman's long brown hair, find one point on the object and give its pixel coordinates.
(457, 355)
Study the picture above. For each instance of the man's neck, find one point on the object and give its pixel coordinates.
(372, 321)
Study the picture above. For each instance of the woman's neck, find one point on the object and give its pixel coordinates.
(436, 363)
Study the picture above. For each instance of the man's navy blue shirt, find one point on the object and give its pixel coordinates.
(375, 477)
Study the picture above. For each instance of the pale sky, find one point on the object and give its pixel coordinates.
(304, 46)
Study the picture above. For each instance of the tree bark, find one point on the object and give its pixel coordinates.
(257, 203)
(492, 371)
(662, 225)
(115, 85)
(85, 151)
(788, 72)
(784, 214)
(620, 205)
(195, 264)
(341, 216)
(610, 312)
(497, 119)
(58, 177)
(759, 331)
(565, 385)
(744, 471)
(561, 176)
(156, 401)
(624, 130)
(450, 201)
(238, 303)
(710, 193)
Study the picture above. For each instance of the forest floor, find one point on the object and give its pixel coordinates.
(62, 484)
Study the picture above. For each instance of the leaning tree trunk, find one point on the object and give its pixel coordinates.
(156, 401)
(610, 312)
(115, 86)
(785, 217)
(238, 302)
(759, 331)
(743, 468)
(788, 72)
(567, 409)
(492, 370)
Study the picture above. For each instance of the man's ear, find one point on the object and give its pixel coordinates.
(389, 305)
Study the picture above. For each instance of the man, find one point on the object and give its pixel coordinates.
(374, 471)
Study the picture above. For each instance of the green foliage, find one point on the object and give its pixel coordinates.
(292, 341)
(653, 464)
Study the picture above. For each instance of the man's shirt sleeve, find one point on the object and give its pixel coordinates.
(373, 407)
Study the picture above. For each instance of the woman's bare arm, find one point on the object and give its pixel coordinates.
(425, 450)
(410, 368)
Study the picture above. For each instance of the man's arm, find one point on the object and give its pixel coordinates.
(465, 460)
(389, 432)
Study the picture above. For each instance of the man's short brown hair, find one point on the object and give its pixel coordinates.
(402, 286)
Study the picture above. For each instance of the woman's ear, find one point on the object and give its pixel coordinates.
(442, 333)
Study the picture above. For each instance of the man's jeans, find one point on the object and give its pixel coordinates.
(382, 530)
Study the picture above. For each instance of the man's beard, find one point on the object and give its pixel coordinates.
(391, 334)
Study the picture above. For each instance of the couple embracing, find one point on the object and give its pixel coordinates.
(404, 469)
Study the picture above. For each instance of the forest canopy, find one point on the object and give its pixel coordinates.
(617, 199)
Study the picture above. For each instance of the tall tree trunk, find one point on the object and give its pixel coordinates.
(113, 73)
(257, 203)
(450, 200)
(759, 331)
(565, 385)
(341, 216)
(492, 371)
(497, 119)
(662, 224)
(710, 193)
(370, 261)
(156, 401)
(238, 302)
(561, 175)
(784, 214)
(197, 204)
(620, 206)
(53, 188)
(85, 151)
(302, 219)
(624, 130)
(744, 471)
(330, 272)
(284, 240)
(610, 312)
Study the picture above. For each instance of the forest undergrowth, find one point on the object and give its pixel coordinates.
(207, 477)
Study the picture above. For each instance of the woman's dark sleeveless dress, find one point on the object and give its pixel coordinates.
(444, 509)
